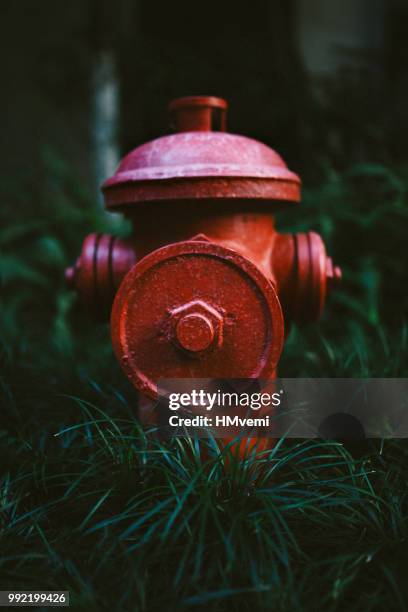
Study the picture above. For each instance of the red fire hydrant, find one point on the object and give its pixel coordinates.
(205, 284)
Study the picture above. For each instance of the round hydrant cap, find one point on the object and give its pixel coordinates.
(201, 161)
(196, 310)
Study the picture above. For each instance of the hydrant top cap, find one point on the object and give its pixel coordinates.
(200, 161)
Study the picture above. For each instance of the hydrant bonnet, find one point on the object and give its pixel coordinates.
(199, 163)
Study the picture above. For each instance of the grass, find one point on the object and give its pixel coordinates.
(92, 504)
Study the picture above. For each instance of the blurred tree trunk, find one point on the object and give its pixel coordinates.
(113, 25)
(105, 117)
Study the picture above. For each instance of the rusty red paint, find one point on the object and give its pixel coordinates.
(199, 163)
(99, 270)
(198, 114)
(195, 332)
(196, 325)
(204, 279)
(203, 286)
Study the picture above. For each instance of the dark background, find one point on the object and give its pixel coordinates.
(346, 106)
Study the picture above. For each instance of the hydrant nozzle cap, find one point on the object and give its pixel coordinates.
(234, 329)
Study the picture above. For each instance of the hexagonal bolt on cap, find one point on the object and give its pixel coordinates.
(195, 332)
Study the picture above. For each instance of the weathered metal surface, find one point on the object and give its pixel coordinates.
(208, 282)
(235, 326)
(99, 270)
(198, 114)
(199, 164)
(304, 275)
